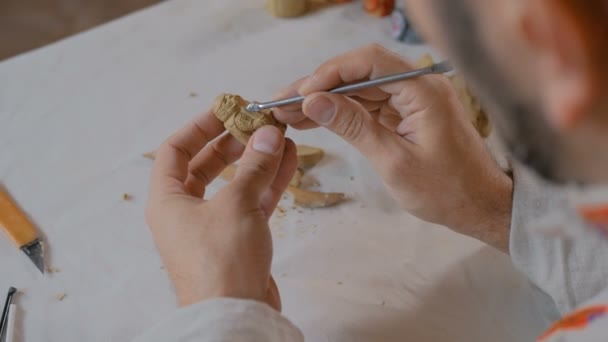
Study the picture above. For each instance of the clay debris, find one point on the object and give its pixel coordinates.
(308, 156)
(315, 199)
(52, 269)
(150, 155)
(287, 8)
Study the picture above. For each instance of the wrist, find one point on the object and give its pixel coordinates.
(489, 218)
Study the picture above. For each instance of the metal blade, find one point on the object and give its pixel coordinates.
(35, 251)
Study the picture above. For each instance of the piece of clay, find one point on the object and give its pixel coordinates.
(315, 199)
(287, 8)
(471, 104)
(308, 156)
(230, 109)
(126, 197)
(52, 269)
(150, 155)
(425, 61)
(60, 296)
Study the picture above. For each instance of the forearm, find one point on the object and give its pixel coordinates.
(487, 215)
(495, 229)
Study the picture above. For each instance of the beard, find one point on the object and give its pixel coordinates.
(527, 135)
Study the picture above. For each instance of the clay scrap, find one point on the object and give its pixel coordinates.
(287, 8)
(315, 199)
(308, 156)
(296, 8)
(230, 109)
(150, 155)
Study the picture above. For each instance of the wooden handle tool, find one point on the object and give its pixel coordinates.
(20, 230)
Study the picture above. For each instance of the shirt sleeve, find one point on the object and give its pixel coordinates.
(570, 271)
(224, 319)
(588, 323)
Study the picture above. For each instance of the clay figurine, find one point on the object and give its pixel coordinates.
(287, 8)
(230, 109)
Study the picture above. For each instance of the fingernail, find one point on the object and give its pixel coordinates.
(267, 140)
(321, 109)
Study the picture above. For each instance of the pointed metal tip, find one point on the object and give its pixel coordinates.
(253, 107)
(442, 67)
(35, 251)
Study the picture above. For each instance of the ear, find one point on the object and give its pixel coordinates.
(557, 38)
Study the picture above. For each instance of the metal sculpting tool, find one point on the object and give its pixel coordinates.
(10, 324)
(19, 229)
(7, 305)
(438, 68)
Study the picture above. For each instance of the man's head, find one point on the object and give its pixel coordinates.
(542, 68)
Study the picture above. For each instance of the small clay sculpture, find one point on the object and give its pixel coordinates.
(287, 8)
(230, 109)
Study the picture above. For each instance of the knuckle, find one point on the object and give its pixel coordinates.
(258, 168)
(327, 68)
(375, 49)
(171, 144)
(199, 132)
(219, 154)
(165, 147)
(201, 176)
(351, 127)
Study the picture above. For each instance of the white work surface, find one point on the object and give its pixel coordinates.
(76, 116)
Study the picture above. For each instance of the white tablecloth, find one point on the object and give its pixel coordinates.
(76, 116)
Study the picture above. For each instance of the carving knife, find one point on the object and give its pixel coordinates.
(438, 68)
(20, 230)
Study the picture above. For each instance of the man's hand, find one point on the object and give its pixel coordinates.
(418, 138)
(219, 247)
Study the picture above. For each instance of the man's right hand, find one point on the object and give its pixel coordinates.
(418, 138)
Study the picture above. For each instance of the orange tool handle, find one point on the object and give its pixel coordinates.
(14, 222)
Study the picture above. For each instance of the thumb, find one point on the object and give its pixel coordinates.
(260, 162)
(347, 118)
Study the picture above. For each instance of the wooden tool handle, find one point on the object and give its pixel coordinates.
(14, 222)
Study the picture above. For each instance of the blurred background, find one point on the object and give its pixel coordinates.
(28, 24)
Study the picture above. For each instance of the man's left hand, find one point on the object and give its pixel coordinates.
(219, 247)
